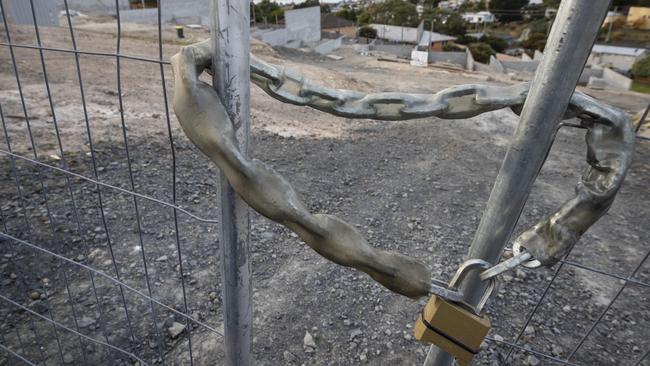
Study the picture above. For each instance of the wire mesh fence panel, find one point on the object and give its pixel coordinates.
(95, 251)
(108, 232)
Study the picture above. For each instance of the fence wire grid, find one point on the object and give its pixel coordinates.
(69, 293)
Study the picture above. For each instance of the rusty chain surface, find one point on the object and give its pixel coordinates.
(610, 141)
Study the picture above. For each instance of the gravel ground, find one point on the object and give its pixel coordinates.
(417, 187)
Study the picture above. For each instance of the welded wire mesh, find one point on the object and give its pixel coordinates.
(60, 308)
(518, 345)
(69, 293)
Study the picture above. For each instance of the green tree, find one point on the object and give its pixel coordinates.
(535, 41)
(497, 44)
(367, 32)
(445, 21)
(473, 6)
(392, 12)
(324, 8)
(347, 13)
(507, 10)
(481, 51)
(263, 11)
(539, 26)
(276, 14)
(431, 3)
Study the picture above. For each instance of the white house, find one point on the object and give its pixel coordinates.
(619, 58)
(396, 33)
(455, 4)
(479, 17)
(450, 4)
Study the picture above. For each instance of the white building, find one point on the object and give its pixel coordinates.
(479, 17)
(450, 4)
(396, 33)
(455, 4)
(618, 58)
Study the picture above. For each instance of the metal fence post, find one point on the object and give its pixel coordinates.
(230, 36)
(569, 44)
(643, 117)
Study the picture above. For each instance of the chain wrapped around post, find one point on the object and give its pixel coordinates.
(610, 139)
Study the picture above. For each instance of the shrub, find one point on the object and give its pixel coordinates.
(617, 36)
(367, 32)
(641, 68)
(536, 41)
(539, 26)
(481, 51)
(497, 44)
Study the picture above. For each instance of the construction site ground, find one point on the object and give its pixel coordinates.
(416, 187)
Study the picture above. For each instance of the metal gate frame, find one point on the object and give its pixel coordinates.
(572, 37)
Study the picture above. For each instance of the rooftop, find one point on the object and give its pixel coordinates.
(434, 37)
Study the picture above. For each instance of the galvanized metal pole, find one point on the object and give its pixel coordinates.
(569, 44)
(230, 35)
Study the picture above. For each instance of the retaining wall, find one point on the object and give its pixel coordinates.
(399, 50)
(303, 24)
(469, 61)
(615, 80)
(588, 73)
(457, 58)
(20, 12)
(329, 46)
(496, 65)
(277, 37)
(181, 12)
(520, 66)
(478, 66)
(94, 7)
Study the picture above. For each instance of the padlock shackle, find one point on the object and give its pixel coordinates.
(486, 296)
(465, 268)
(460, 275)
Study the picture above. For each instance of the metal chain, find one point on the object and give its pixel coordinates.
(463, 101)
(610, 143)
(205, 122)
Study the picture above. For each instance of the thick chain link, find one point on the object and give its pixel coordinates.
(462, 101)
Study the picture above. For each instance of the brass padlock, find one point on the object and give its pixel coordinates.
(456, 328)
